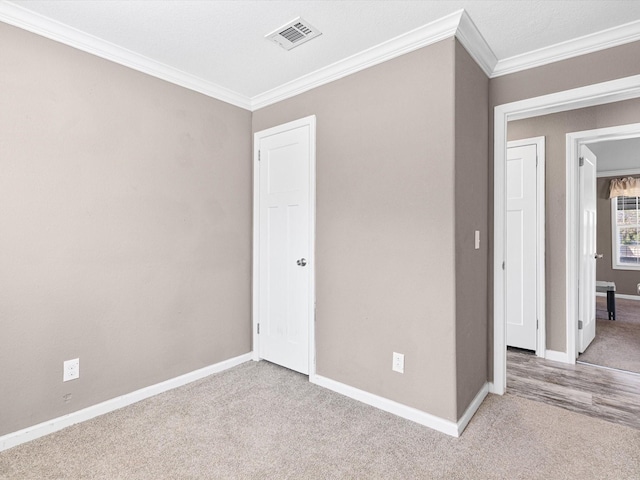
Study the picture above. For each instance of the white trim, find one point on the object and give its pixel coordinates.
(475, 44)
(573, 142)
(612, 37)
(613, 226)
(541, 333)
(457, 24)
(423, 418)
(618, 173)
(612, 91)
(45, 428)
(60, 32)
(472, 408)
(428, 34)
(556, 356)
(572, 260)
(310, 122)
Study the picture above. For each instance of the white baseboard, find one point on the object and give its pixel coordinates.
(556, 356)
(36, 431)
(472, 408)
(440, 424)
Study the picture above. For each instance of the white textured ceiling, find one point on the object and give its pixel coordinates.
(222, 42)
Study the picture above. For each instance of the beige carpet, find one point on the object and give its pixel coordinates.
(259, 421)
(617, 343)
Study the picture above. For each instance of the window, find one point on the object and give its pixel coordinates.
(625, 227)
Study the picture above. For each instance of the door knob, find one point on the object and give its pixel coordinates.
(598, 255)
(302, 262)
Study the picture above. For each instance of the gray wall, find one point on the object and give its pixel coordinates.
(626, 280)
(554, 128)
(385, 179)
(471, 213)
(602, 66)
(388, 232)
(126, 229)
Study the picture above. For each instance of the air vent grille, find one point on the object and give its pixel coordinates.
(294, 33)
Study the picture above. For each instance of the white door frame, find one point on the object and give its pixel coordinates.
(541, 333)
(574, 141)
(591, 95)
(309, 121)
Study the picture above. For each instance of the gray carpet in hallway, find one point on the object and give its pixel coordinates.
(260, 421)
(617, 343)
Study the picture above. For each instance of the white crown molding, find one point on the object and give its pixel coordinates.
(46, 27)
(433, 32)
(457, 24)
(473, 41)
(612, 37)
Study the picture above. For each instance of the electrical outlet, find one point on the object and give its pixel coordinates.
(71, 370)
(398, 362)
(476, 239)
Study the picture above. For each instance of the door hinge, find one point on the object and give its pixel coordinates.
(581, 162)
(503, 265)
(259, 154)
(579, 324)
(536, 160)
(537, 324)
(258, 329)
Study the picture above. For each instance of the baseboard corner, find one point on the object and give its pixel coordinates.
(423, 418)
(33, 432)
(472, 408)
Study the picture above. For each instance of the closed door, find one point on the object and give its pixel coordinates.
(285, 263)
(588, 251)
(521, 247)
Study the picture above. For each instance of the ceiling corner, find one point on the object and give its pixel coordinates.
(27, 20)
(612, 37)
(473, 41)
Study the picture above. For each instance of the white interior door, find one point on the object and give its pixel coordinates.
(521, 247)
(285, 256)
(588, 254)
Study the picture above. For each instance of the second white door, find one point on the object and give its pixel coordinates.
(285, 256)
(521, 252)
(588, 251)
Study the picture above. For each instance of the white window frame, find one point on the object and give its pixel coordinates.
(615, 264)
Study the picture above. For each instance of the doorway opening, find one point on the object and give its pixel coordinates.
(607, 92)
(616, 337)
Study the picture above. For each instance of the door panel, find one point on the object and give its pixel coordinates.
(521, 251)
(284, 239)
(588, 249)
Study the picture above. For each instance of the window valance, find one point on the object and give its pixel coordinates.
(624, 187)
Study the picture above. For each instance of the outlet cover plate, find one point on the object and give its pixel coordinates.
(71, 370)
(398, 362)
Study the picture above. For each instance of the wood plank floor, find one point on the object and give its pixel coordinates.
(598, 392)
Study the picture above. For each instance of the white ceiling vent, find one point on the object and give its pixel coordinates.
(293, 34)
